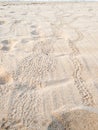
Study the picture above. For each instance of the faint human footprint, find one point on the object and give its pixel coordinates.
(12, 12)
(34, 30)
(2, 22)
(7, 44)
(25, 40)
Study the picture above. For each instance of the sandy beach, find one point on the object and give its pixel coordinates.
(49, 66)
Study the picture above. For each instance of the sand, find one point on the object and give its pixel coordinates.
(49, 66)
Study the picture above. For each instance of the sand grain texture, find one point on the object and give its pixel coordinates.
(49, 66)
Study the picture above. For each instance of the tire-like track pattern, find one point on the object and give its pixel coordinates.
(79, 82)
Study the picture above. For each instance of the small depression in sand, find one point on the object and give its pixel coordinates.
(5, 77)
(12, 12)
(5, 42)
(78, 119)
(2, 22)
(7, 45)
(5, 48)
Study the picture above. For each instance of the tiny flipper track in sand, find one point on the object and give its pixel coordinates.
(79, 82)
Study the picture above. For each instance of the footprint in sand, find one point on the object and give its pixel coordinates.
(5, 77)
(7, 45)
(2, 22)
(12, 12)
(25, 40)
(34, 31)
(33, 26)
(90, 9)
(24, 13)
(5, 48)
(1, 8)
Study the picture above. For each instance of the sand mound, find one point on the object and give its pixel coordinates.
(76, 119)
(5, 77)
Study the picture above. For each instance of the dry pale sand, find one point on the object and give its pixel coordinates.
(49, 66)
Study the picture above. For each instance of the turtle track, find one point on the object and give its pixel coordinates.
(33, 69)
(79, 82)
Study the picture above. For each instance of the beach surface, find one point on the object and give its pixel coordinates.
(49, 66)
